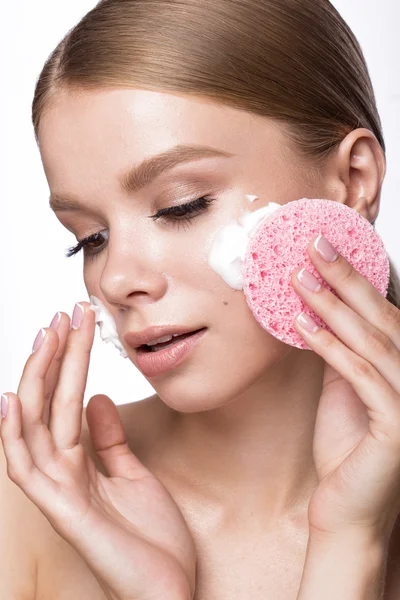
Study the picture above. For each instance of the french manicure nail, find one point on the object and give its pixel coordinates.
(55, 321)
(39, 340)
(4, 405)
(309, 281)
(77, 316)
(304, 320)
(325, 249)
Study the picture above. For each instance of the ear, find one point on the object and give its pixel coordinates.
(357, 172)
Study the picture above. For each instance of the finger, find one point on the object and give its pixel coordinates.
(52, 376)
(364, 338)
(109, 440)
(21, 468)
(31, 392)
(67, 403)
(381, 400)
(358, 293)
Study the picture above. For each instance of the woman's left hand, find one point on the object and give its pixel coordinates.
(356, 443)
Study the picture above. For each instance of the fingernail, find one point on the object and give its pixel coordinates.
(77, 316)
(307, 322)
(309, 281)
(325, 249)
(4, 406)
(38, 340)
(55, 321)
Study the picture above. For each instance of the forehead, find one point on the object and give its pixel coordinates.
(130, 117)
(85, 134)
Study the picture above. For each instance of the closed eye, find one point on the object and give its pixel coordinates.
(177, 214)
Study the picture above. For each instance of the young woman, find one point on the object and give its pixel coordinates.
(257, 469)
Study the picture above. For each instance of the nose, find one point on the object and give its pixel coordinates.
(131, 276)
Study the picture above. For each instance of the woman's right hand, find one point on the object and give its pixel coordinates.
(126, 527)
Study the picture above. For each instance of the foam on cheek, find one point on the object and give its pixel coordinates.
(229, 245)
(106, 322)
(225, 257)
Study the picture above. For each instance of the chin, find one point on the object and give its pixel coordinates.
(193, 389)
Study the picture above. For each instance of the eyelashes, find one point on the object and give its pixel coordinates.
(177, 214)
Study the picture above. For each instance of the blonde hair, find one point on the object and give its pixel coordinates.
(295, 61)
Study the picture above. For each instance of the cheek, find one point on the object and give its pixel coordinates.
(238, 332)
(91, 279)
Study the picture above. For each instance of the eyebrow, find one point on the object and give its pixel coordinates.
(143, 174)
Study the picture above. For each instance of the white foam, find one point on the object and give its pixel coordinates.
(229, 246)
(106, 322)
(225, 258)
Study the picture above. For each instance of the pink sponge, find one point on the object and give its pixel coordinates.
(279, 245)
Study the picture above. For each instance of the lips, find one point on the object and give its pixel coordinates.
(153, 364)
(162, 345)
(136, 339)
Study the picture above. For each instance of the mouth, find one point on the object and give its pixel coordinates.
(162, 358)
(144, 348)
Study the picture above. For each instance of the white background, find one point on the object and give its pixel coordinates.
(36, 279)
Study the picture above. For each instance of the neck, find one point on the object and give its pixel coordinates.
(254, 453)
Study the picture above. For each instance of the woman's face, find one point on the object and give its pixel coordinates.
(155, 271)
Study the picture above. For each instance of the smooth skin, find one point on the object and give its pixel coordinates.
(126, 526)
(245, 448)
(357, 458)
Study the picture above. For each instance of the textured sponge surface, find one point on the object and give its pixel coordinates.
(278, 246)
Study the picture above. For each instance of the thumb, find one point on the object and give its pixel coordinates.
(109, 440)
